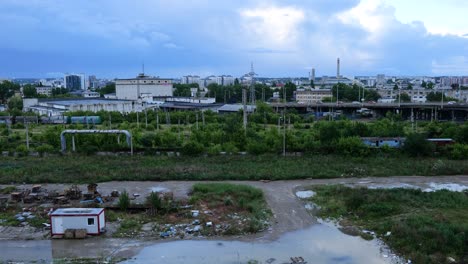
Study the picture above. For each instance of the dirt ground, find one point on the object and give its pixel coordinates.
(289, 212)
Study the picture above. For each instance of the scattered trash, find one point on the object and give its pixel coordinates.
(297, 260)
(136, 195)
(451, 260)
(98, 200)
(197, 228)
(195, 213)
(209, 224)
(196, 222)
(388, 233)
(115, 193)
(164, 234)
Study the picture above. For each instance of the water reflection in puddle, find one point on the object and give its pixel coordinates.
(316, 244)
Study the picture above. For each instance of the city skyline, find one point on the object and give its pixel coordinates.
(113, 38)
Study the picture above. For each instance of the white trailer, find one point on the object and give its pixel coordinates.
(91, 219)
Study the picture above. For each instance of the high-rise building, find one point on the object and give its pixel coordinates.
(380, 79)
(73, 82)
(312, 75)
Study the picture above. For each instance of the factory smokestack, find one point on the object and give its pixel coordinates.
(338, 68)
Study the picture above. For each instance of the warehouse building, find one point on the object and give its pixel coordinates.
(143, 87)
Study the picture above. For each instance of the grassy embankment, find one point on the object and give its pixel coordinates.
(240, 209)
(85, 169)
(425, 227)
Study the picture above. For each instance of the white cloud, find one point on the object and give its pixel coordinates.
(272, 26)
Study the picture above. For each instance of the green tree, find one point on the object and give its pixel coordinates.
(435, 97)
(108, 89)
(395, 87)
(405, 97)
(430, 85)
(15, 104)
(29, 91)
(182, 90)
(289, 87)
(424, 84)
(416, 145)
(410, 86)
(312, 84)
(7, 90)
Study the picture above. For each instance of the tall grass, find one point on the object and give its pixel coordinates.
(85, 169)
(424, 227)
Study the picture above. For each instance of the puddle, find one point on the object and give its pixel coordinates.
(454, 187)
(392, 186)
(305, 194)
(317, 244)
(159, 189)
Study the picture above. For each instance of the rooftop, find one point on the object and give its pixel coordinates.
(84, 101)
(77, 211)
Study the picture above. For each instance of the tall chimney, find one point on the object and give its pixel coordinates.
(338, 68)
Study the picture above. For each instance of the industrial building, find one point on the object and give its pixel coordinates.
(312, 96)
(143, 87)
(57, 107)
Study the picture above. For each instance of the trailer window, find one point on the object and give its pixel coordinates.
(90, 221)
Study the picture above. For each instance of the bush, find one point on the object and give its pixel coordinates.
(154, 201)
(214, 150)
(193, 148)
(124, 201)
(22, 150)
(257, 147)
(459, 151)
(230, 148)
(351, 146)
(46, 148)
(416, 145)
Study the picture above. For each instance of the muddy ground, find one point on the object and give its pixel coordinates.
(289, 213)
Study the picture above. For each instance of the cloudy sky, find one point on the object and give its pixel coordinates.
(112, 38)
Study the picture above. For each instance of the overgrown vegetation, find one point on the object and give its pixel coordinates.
(220, 209)
(247, 201)
(426, 227)
(199, 133)
(85, 169)
(124, 201)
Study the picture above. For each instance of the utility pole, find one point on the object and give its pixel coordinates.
(284, 132)
(138, 119)
(146, 118)
(27, 135)
(252, 84)
(157, 121)
(244, 102)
